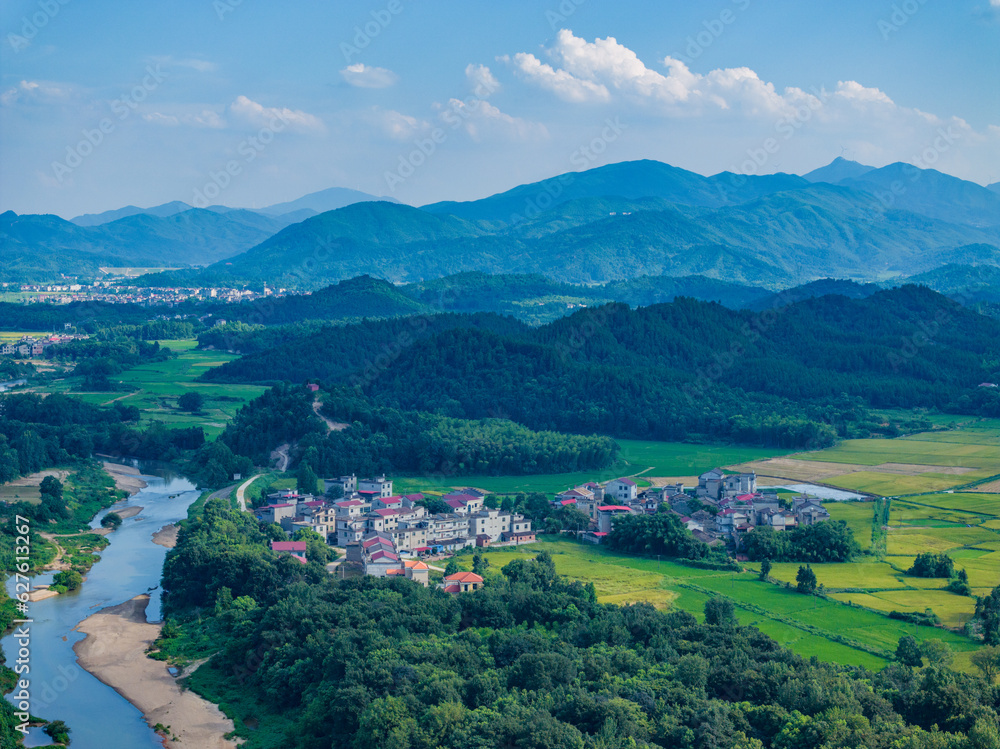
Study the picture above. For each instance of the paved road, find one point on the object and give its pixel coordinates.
(241, 498)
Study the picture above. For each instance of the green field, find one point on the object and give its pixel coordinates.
(159, 385)
(809, 625)
(639, 459)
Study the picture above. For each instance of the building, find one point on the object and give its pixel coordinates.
(296, 549)
(462, 582)
(606, 515)
(380, 486)
(622, 490)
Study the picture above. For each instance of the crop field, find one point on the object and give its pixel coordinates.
(809, 625)
(159, 385)
(642, 460)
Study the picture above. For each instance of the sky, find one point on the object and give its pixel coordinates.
(248, 103)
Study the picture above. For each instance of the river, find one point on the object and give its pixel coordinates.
(99, 717)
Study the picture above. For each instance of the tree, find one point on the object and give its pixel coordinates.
(720, 611)
(58, 732)
(987, 660)
(480, 564)
(932, 565)
(908, 652)
(68, 579)
(452, 568)
(987, 616)
(806, 580)
(959, 585)
(306, 480)
(765, 568)
(937, 653)
(112, 520)
(191, 401)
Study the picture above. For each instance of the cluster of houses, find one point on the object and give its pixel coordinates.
(386, 535)
(383, 532)
(32, 346)
(108, 291)
(722, 508)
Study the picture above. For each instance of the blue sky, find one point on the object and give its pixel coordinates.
(248, 103)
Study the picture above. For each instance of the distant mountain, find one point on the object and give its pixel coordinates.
(193, 237)
(813, 290)
(964, 283)
(355, 298)
(931, 193)
(778, 240)
(325, 200)
(630, 180)
(837, 170)
(995, 187)
(96, 219)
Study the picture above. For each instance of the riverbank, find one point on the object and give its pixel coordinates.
(167, 536)
(126, 478)
(115, 652)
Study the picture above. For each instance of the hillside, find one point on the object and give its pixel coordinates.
(674, 371)
(31, 244)
(966, 284)
(776, 240)
(837, 170)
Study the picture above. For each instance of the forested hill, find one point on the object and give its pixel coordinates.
(531, 661)
(796, 376)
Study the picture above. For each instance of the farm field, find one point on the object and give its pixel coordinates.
(914, 464)
(807, 624)
(160, 384)
(643, 460)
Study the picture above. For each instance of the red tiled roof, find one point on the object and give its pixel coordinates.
(627, 482)
(454, 503)
(414, 497)
(463, 498)
(464, 577)
(384, 555)
(607, 508)
(387, 512)
(600, 533)
(288, 546)
(453, 589)
(350, 503)
(568, 502)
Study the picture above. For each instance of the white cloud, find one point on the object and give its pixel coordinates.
(35, 92)
(194, 63)
(481, 80)
(205, 118)
(258, 115)
(395, 125)
(560, 82)
(481, 120)
(365, 76)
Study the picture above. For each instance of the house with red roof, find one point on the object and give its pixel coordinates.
(462, 582)
(296, 549)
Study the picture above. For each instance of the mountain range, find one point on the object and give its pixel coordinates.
(612, 223)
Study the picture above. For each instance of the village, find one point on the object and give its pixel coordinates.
(383, 534)
(29, 346)
(110, 292)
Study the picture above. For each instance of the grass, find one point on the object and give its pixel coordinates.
(809, 625)
(158, 385)
(639, 458)
(857, 515)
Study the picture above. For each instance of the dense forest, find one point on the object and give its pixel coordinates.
(799, 376)
(39, 432)
(530, 661)
(385, 440)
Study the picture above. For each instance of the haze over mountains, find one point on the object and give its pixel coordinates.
(612, 223)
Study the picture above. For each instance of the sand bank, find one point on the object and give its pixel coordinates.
(115, 652)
